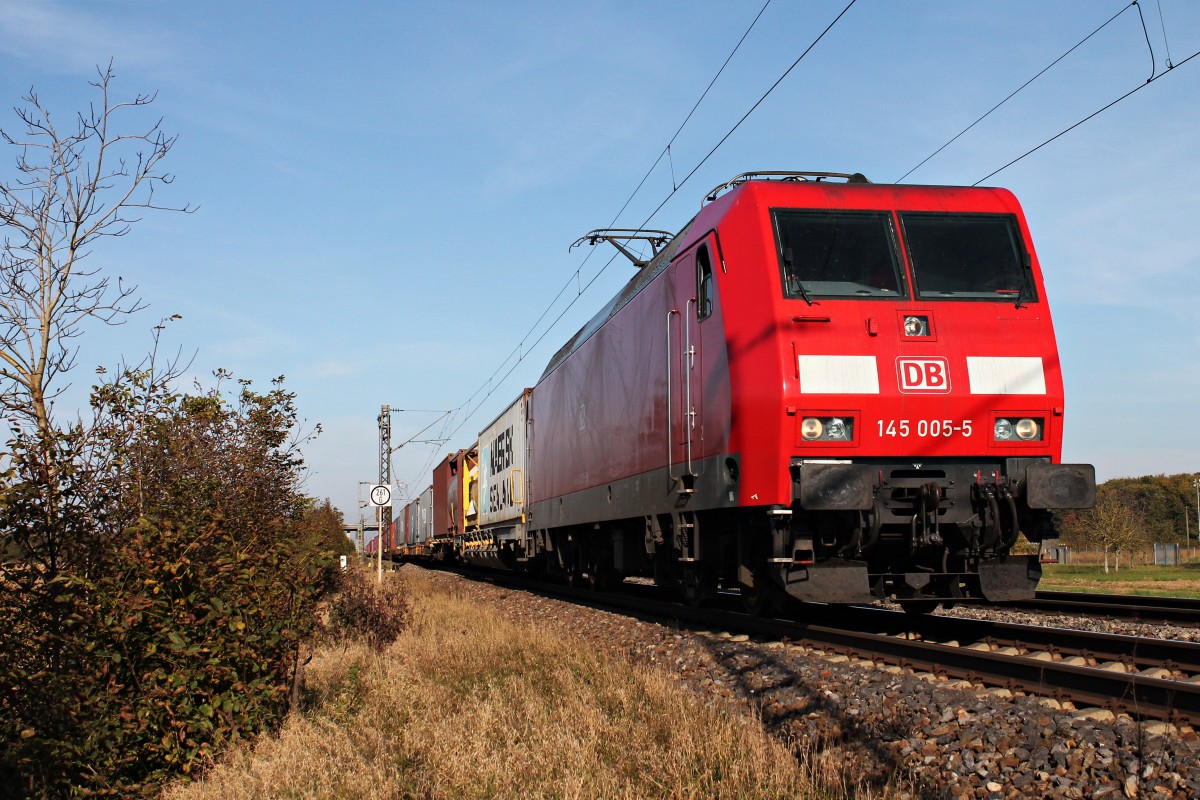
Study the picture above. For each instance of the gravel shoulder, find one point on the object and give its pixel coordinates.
(922, 735)
(1099, 624)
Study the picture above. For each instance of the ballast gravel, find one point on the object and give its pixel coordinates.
(919, 735)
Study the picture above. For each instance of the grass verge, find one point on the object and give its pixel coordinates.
(465, 705)
(1180, 581)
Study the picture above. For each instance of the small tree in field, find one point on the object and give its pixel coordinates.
(73, 186)
(1111, 524)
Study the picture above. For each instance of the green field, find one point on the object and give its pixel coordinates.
(1181, 581)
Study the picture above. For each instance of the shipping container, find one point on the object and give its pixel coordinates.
(454, 500)
(406, 521)
(502, 455)
(445, 485)
(423, 516)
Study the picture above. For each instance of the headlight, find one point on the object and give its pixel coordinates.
(1024, 429)
(916, 326)
(827, 429)
(1028, 429)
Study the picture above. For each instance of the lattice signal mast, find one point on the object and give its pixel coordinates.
(385, 468)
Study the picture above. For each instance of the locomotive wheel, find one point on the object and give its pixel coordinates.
(699, 585)
(755, 600)
(595, 579)
(574, 578)
(609, 578)
(663, 577)
(762, 599)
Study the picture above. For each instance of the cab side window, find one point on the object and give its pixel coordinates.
(704, 284)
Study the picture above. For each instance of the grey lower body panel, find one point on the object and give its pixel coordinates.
(650, 493)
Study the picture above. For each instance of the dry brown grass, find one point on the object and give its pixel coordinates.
(465, 704)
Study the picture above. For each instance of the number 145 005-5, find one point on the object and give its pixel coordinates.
(924, 428)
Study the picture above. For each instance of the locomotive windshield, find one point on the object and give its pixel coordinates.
(854, 254)
(966, 256)
(837, 254)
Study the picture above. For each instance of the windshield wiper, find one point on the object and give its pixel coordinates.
(1026, 274)
(1019, 295)
(793, 277)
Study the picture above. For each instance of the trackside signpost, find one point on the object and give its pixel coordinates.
(381, 495)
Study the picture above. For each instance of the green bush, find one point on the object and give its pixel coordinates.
(161, 572)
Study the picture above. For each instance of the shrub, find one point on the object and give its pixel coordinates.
(161, 572)
(364, 609)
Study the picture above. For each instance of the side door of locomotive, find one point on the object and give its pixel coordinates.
(692, 295)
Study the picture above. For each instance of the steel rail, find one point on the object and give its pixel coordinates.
(1138, 651)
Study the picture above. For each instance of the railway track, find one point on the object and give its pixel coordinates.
(1175, 610)
(1144, 677)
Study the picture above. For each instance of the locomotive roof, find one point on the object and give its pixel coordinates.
(861, 193)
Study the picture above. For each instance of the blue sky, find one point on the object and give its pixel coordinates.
(387, 191)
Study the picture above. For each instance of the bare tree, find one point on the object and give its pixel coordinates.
(72, 188)
(1115, 526)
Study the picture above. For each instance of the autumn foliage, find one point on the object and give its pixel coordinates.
(161, 570)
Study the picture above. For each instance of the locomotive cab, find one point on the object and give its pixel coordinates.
(925, 401)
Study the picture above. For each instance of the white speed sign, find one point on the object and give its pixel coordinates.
(381, 495)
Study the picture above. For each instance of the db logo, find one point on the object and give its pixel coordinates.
(923, 375)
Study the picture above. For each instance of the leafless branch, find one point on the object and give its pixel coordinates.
(71, 188)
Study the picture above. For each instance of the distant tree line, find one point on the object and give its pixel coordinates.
(160, 564)
(1135, 513)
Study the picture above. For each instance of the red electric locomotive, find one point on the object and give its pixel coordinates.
(821, 387)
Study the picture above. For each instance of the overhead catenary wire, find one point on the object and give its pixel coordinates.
(1094, 114)
(470, 411)
(1017, 91)
(757, 103)
(1150, 47)
(666, 151)
(413, 438)
(427, 464)
(1166, 44)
